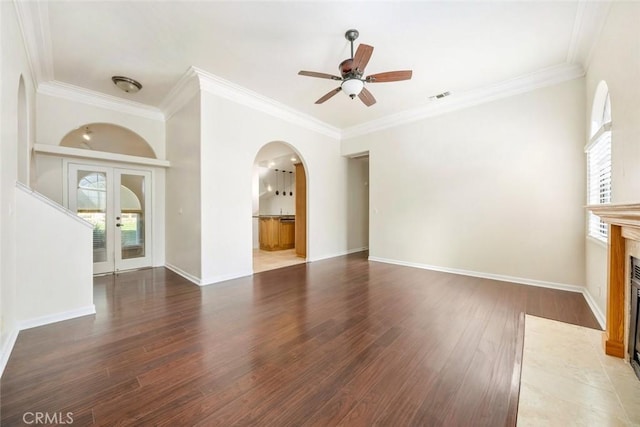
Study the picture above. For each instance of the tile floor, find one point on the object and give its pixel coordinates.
(270, 260)
(567, 380)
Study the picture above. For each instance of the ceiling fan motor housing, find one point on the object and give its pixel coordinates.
(346, 67)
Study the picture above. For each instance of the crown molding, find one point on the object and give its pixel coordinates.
(577, 32)
(217, 86)
(587, 27)
(182, 92)
(97, 99)
(460, 100)
(33, 19)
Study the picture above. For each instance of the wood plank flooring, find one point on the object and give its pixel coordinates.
(342, 341)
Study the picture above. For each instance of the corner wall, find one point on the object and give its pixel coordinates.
(183, 206)
(496, 189)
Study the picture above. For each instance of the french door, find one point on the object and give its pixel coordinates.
(117, 202)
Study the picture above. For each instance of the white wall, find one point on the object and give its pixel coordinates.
(13, 65)
(495, 189)
(183, 206)
(232, 135)
(54, 262)
(616, 60)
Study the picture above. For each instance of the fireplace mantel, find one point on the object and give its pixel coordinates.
(626, 215)
(624, 223)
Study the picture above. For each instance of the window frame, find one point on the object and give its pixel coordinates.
(598, 158)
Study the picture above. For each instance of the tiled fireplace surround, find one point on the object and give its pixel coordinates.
(624, 242)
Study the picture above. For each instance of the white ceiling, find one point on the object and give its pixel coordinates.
(450, 46)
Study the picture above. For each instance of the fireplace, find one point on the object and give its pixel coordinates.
(622, 301)
(634, 318)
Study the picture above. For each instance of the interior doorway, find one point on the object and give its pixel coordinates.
(358, 210)
(279, 208)
(118, 203)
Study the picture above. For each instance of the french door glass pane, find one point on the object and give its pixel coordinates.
(92, 205)
(132, 216)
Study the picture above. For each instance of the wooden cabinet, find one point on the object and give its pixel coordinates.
(287, 233)
(276, 233)
(269, 233)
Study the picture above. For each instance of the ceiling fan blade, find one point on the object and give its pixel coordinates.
(366, 97)
(328, 95)
(362, 56)
(319, 75)
(389, 76)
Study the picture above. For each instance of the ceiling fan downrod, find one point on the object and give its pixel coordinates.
(351, 35)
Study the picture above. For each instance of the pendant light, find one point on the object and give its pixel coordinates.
(284, 189)
(291, 183)
(277, 186)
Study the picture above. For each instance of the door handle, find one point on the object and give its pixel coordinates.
(118, 225)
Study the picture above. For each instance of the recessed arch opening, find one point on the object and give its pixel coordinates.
(110, 138)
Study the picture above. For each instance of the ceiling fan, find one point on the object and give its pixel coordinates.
(352, 70)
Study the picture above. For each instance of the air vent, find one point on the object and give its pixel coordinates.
(440, 95)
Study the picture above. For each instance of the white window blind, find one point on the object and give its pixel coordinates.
(599, 180)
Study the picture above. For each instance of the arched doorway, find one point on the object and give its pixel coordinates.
(279, 204)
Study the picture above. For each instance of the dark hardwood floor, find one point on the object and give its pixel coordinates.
(337, 342)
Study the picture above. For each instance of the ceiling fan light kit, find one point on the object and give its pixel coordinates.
(352, 70)
(352, 87)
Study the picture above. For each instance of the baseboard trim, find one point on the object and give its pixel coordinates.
(7, 348)
(595, 309)
(519, 280)
(58, 317)
(343, 253)
(190, 277)
(207, 281)
(482, 275)
(223, 278)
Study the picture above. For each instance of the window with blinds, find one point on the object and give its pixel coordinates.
(599, 181)
(599, 167)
